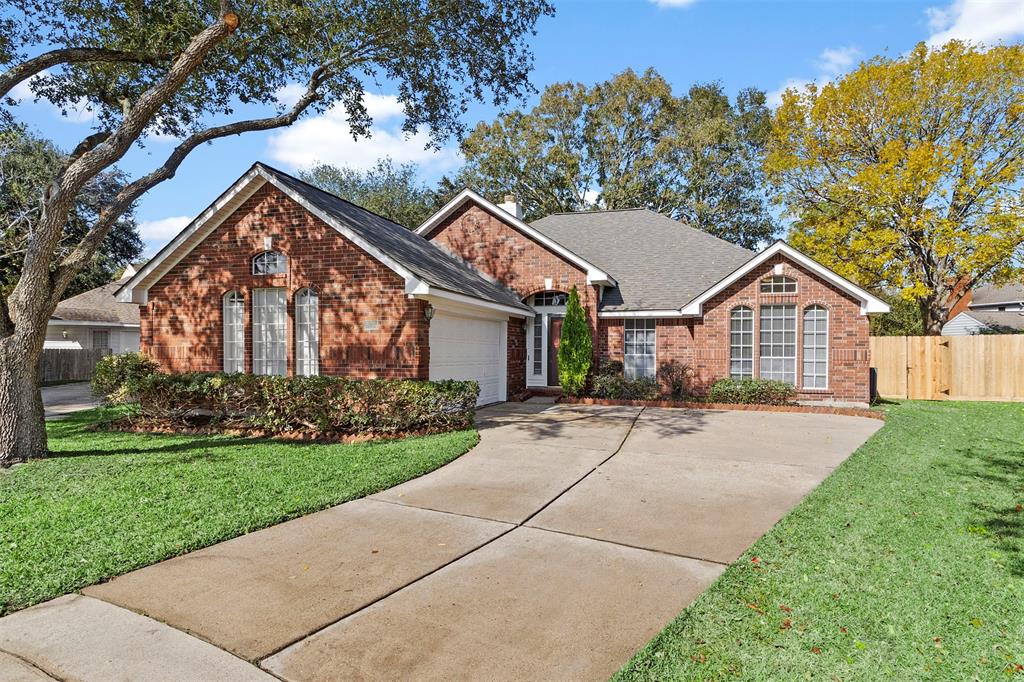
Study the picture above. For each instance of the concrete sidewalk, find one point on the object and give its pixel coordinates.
(60, 401)
(555, 549)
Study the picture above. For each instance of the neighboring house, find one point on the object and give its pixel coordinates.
(278, 277)
(96, 319)
(988, 310)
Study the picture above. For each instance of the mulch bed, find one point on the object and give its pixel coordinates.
(200, 426)
(809, 409)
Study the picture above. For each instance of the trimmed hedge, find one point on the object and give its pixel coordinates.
(321, 404)
(751, 392)
(620, 388)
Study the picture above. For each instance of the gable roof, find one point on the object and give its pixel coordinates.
(595, 274)
(659, 263)
(992, 295)
(424, 266)
(97, 305)
(1009, 321)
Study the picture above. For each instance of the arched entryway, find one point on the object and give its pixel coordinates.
(543, 337)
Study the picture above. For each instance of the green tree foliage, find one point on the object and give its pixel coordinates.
(630, 142)
(575, 347)
(393, 191)
(26, 164)
(906, 175)
(903, 318)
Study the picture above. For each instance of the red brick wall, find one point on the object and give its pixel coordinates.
(504, 253)
(368, 327)
(704, 343)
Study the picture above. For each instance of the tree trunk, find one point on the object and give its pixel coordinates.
(22, 426)
(933, 316)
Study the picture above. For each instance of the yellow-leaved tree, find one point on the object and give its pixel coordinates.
(906, 175)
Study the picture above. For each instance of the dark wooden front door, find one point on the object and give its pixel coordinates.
(554, 338)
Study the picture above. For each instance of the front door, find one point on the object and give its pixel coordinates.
(554, 338)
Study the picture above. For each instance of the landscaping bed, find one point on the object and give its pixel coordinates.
(753, 407)
(106, 502)
(906, 563)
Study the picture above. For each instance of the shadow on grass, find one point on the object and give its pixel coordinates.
(1003, 524)
(199, 443)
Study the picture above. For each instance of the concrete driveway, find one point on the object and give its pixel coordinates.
(60, 401)
(554, 550)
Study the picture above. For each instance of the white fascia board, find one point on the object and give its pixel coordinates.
(133, 291)
(429, 293)
(595, 275)
(57, 322)
(869, 303)
(613, 314)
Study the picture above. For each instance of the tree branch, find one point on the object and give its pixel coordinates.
(74, 55)
(110, 214)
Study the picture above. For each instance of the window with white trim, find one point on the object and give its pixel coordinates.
(778, 343)
(307, 333)
(815, 347)
(549, 298)
(234, 332)
(538, 345)
(741, 343)
(269, 332)
(638, 348)
(269, 263)
(778, 284)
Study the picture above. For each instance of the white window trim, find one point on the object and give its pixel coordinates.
(761, 357)
(280, 257)
(653, 356)
(312, 314)
(259, 338)
(803, 347)
(782, 280)
(732, 346)
(237, 306)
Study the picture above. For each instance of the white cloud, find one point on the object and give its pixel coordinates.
(831, 63)
(327, 138)
(78, 112)
(976, 21)
(673, 3)
(289, 94)
(164, 229)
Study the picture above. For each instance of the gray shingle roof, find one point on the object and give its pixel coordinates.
(991, 295)
(1000, 321)
(659, 263)
(416, 254)
(97, 305)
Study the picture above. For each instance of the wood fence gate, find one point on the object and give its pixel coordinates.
(69, 364)
(981, 367)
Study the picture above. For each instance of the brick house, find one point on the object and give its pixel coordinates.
(278, 277)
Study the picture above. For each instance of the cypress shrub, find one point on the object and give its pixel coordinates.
(575, 349)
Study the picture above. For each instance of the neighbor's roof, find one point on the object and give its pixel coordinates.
(659, 263)
(1012, 293)
(1000, 321)
(418, 255)
(97, 305)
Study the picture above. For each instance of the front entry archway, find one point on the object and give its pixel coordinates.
(544, 336)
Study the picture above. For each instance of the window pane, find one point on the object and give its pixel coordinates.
(234, 332)
(639, 348)
(269, 353)
(778, 342)
(815, 347)
(741, 342)
(307, 333)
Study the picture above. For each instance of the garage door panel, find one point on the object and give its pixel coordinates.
(467, 349)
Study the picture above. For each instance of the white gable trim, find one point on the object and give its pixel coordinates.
(868, 302)
(136, 289)
(595, 275)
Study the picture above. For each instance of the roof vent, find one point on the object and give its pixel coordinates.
(511, 206)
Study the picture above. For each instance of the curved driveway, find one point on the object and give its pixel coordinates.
(553, 550)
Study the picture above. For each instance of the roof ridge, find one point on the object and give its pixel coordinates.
(601, 210)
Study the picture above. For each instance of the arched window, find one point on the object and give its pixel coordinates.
(234, 332)
(549, 298)
(778, 284)
(815, 347)
(307, 333)
(269, 263)
(741, 343)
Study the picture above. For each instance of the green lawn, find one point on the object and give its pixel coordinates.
(107, 502)
(907, 563)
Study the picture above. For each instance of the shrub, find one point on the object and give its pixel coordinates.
(119, 377)
(318, 404)
(575, 348)
(610, 368)
(676, 376)
(617, 387)
(751, 392)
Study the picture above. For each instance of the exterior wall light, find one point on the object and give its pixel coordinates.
(428, 313)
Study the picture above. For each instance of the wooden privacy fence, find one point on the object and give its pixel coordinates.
(981, 367)
(67, 364)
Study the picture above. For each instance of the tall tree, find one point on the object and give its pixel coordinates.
(169, 67)
(393, 191)
(906, 175)
(630, 142)
(27, 163)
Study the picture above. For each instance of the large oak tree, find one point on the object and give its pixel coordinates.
(185, 69)
(906, 174)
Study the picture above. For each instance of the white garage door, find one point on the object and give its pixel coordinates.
(467, 348)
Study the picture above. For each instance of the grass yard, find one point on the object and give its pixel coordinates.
(907, 563)
(107, 502)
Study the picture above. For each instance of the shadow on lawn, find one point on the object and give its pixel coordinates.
(1003, 524)
(200, 443)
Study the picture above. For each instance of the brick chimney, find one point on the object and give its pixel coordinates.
(511, 206)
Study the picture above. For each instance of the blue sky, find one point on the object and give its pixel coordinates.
(768, 45)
